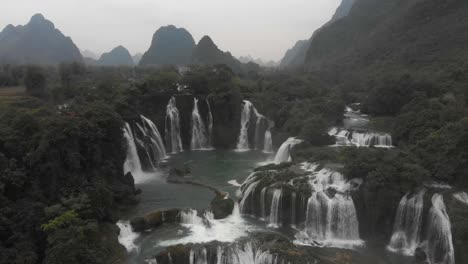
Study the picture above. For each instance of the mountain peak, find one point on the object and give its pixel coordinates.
(206, 41)
(37, 18)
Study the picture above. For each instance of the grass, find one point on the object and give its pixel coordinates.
(13, 93)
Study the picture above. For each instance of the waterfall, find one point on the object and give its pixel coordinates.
(199, 134)
(243, 141)
(284, 152)
(268, 144)
(275, 220)
(462, 197)
(407, 227)
(172, 131)
(263, 202)
(331, 217)
(190, 216)
(132, 162)
(155, 141)
(261, 142)
(207, 229)
(126, 236)
(293, 209)
(361, 139)
(198, 257)
(210, 124)
(439, 246)
(247, 193)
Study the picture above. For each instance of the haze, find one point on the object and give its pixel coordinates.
(261, 28)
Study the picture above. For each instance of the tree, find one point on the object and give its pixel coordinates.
(35, 81)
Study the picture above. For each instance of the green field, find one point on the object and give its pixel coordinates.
(9, 94)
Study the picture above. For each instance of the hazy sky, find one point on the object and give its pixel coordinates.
(261, 28)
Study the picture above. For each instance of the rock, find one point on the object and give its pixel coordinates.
(154, 219)
(222, 206)
(420, 257)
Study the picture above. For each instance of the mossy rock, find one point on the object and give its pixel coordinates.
(222, 206)
(154, 219)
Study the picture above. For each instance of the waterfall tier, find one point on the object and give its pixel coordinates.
(407, 227)
(438, 244)
(284, 152)
(200, 134)
(361, 139)
(256, 136)
(317, 201)
(145, 147)
(172, 131)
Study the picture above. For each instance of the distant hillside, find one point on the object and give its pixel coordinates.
(137, 58)
(38, 42)
(295, 57)
(170, 46)
(422, 36)
(267, 64)
(119, 56)
(90, 54)
(207, 53)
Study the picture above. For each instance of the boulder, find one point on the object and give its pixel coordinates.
(154, 219)
(222, 206)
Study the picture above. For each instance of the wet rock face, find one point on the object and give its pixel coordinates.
(222, 206)
(154, 219)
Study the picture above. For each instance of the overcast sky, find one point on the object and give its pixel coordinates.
(261, 28)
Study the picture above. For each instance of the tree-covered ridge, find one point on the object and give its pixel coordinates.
(61, 181)
(118, 56)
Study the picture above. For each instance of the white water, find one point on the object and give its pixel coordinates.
(206, 229)
(173, 127)
(200, 136)
(407, 227)
(275, 209)
(126, 236)
(243, 141)
(462, 197)
(246, 194)
(361, 139)
(284, 152)
(330, 220)
(132, 162)
(293, 209)
(263, 194)
(210, 124)
(156, 144)
(439, 245)
(262, 139)
(268, 144)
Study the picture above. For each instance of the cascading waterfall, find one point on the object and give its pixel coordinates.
(247, 253)
(439, 245)
(153, 140)
(172, 131)
(247, 194)
(210, 124)
(243, 141)
(126, 236)
(407, 227)
(132, 162)
(361, 139)
(275, 209)
(263, 194)
(262, 131)
(462, 197)
(293, 209)
(268, 144)
(331, 218)
(200, 137)
(284, 152)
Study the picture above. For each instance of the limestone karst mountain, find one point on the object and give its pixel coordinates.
(170, 46)
(37, 42)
